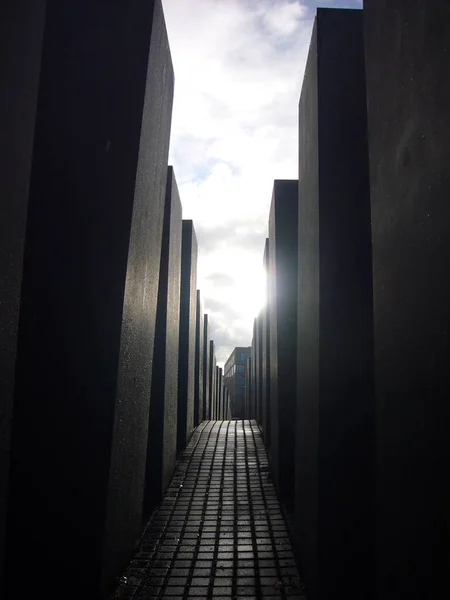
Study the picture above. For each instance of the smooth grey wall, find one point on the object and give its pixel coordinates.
(89, 289)
(254, 385)
(199, 341)
(188, 315)
(408, 86)
(206, 368)
(162, 429)
(282, 279)
(265, 416)
(21, 27)
(258, 370)
(217, 393)
(248, 387)
(335, 484)
(212, 379)
(221, 395)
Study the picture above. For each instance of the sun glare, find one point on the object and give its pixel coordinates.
(233, 283)
(248, 292)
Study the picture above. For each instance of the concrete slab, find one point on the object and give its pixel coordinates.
(212, 379)
(199, 341)
(162, 430)
(22, 28)
(217, 394)
(335, 423)
(221, 395)
(408, 61)
(248, 387)
(282, 303)
(90, 280)
(258, 369)
(265, 400)
(188, 316)
(252, 414)
(206, 367)
(227, 404)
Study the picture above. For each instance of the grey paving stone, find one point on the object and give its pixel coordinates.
(223, 535)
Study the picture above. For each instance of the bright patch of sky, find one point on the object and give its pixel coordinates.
(239, 67)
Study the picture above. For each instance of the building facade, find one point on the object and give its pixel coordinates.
(234, 379)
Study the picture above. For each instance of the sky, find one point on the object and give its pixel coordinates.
(239, 68)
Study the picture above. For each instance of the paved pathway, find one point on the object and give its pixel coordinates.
(219, 532)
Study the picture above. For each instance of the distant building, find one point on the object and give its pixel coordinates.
(234, 379)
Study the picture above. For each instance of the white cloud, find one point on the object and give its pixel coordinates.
(238, 70)
(283, 20)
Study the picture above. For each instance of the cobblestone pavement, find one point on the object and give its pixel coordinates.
(219, 531)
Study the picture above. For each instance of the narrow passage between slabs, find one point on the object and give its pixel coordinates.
(219, 531)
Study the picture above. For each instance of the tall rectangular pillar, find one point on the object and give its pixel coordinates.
(221, 395)
(282, 279)
(216, 393)
(21, 34)
(188, 316)
(90, 280)
(254, 384)
(162, 429)
(335, 407)
(408, 61)
(225, 403)
(266, 418)
(212, 380)
(206, 368)
(227, 414)
(259, 372)
(248, 387)
(199, 341)
(245, 408)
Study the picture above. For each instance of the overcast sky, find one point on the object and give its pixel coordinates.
(239, 67)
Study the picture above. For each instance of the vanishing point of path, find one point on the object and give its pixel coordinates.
(219, 533)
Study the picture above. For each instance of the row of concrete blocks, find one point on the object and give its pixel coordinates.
(106, 362)
(350, 356)
(186, 383)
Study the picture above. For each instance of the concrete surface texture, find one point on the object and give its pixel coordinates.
(212, 379)
(198, 382)
(188, 315)
(21, 34)
(258, 368)
(206, 367)
(90, 274)
(335, 423)
(408, 93)
(221, 395)
(252, 414)
(265, 399)
(248, 387)
(162, 429)
(282, 315)
(227, 404)
(217, 393)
